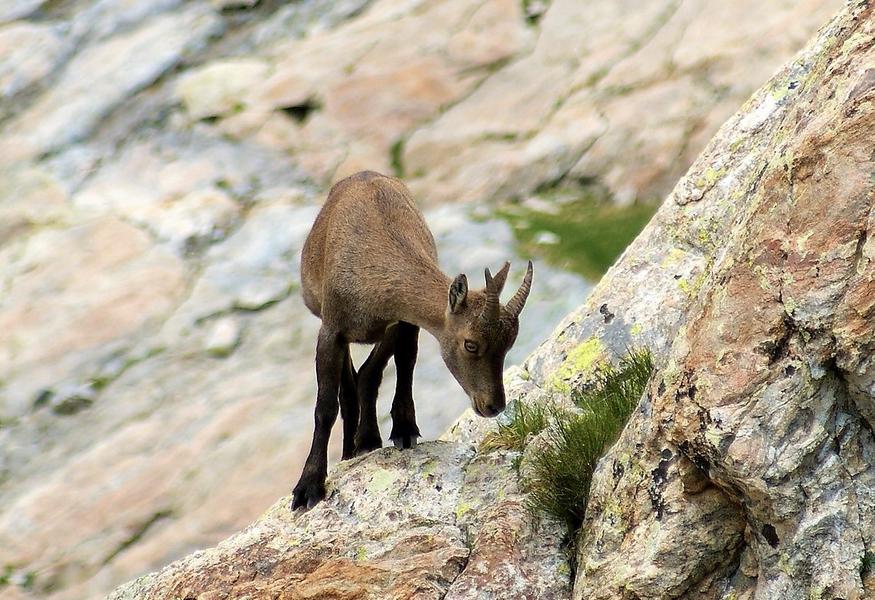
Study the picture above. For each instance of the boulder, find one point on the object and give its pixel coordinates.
(99, 78)
(30, 52)
(438, 521)
(630, 91)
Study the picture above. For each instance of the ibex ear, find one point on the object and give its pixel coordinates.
(458, 293)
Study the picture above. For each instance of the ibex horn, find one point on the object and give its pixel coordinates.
(516, 304)
(494, 285)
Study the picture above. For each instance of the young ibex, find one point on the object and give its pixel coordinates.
(369, 271)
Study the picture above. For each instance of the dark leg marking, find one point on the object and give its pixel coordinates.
(349, 406)
(404, 428)
(370, 376)
(330, 350)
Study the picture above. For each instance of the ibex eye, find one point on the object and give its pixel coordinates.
(470, 346)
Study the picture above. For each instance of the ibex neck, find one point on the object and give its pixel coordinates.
(427, 304)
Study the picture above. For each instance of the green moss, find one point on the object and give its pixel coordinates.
(461, 509)
(361, 553)
(563, 570)
(710, 177)
(531, 17)
(430, 467)
(785, 566)
(590, 231)
(11, 575)
(685, 286)
(674, 256)
(100, 381)
(779, 90)
(692, 287)
(739, 143)
(508, 136)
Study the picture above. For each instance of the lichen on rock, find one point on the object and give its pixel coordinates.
(757, 475)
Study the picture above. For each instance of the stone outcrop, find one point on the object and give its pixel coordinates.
(161, 161)
(748, 469)
(438, 521)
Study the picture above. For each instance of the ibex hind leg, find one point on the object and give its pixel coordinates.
(370, 376)
(349, 406)
(404, 429)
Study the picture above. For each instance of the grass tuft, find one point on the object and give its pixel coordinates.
(560, 474)
(559, 481)
(526, 421)
(396, 152)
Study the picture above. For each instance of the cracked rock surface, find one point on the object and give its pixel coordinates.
(162, 161)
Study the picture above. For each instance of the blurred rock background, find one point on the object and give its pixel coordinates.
(161, 162)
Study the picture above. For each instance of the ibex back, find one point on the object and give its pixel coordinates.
(369, 270)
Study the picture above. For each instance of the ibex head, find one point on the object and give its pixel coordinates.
(478, 333)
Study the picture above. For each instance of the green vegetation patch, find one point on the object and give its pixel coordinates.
(580, 360)
(867, 562)
(560, 472)
(526, 421)
(577, 229)
(10, 575)
(396, 153)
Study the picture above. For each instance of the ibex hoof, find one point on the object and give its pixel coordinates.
(404, 442)
(308, 494)
(365, 445)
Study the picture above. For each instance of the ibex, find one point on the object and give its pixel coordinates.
(369, 271)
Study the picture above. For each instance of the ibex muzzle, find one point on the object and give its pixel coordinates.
(369, 270)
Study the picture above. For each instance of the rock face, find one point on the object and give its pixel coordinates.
(750, 468)
(162, 161)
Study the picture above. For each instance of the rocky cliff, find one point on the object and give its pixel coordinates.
(162, 161)
(748, 469)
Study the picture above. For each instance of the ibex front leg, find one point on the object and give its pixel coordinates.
(330, 351)
(404, 428)
(370, 375)
(349, 406)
